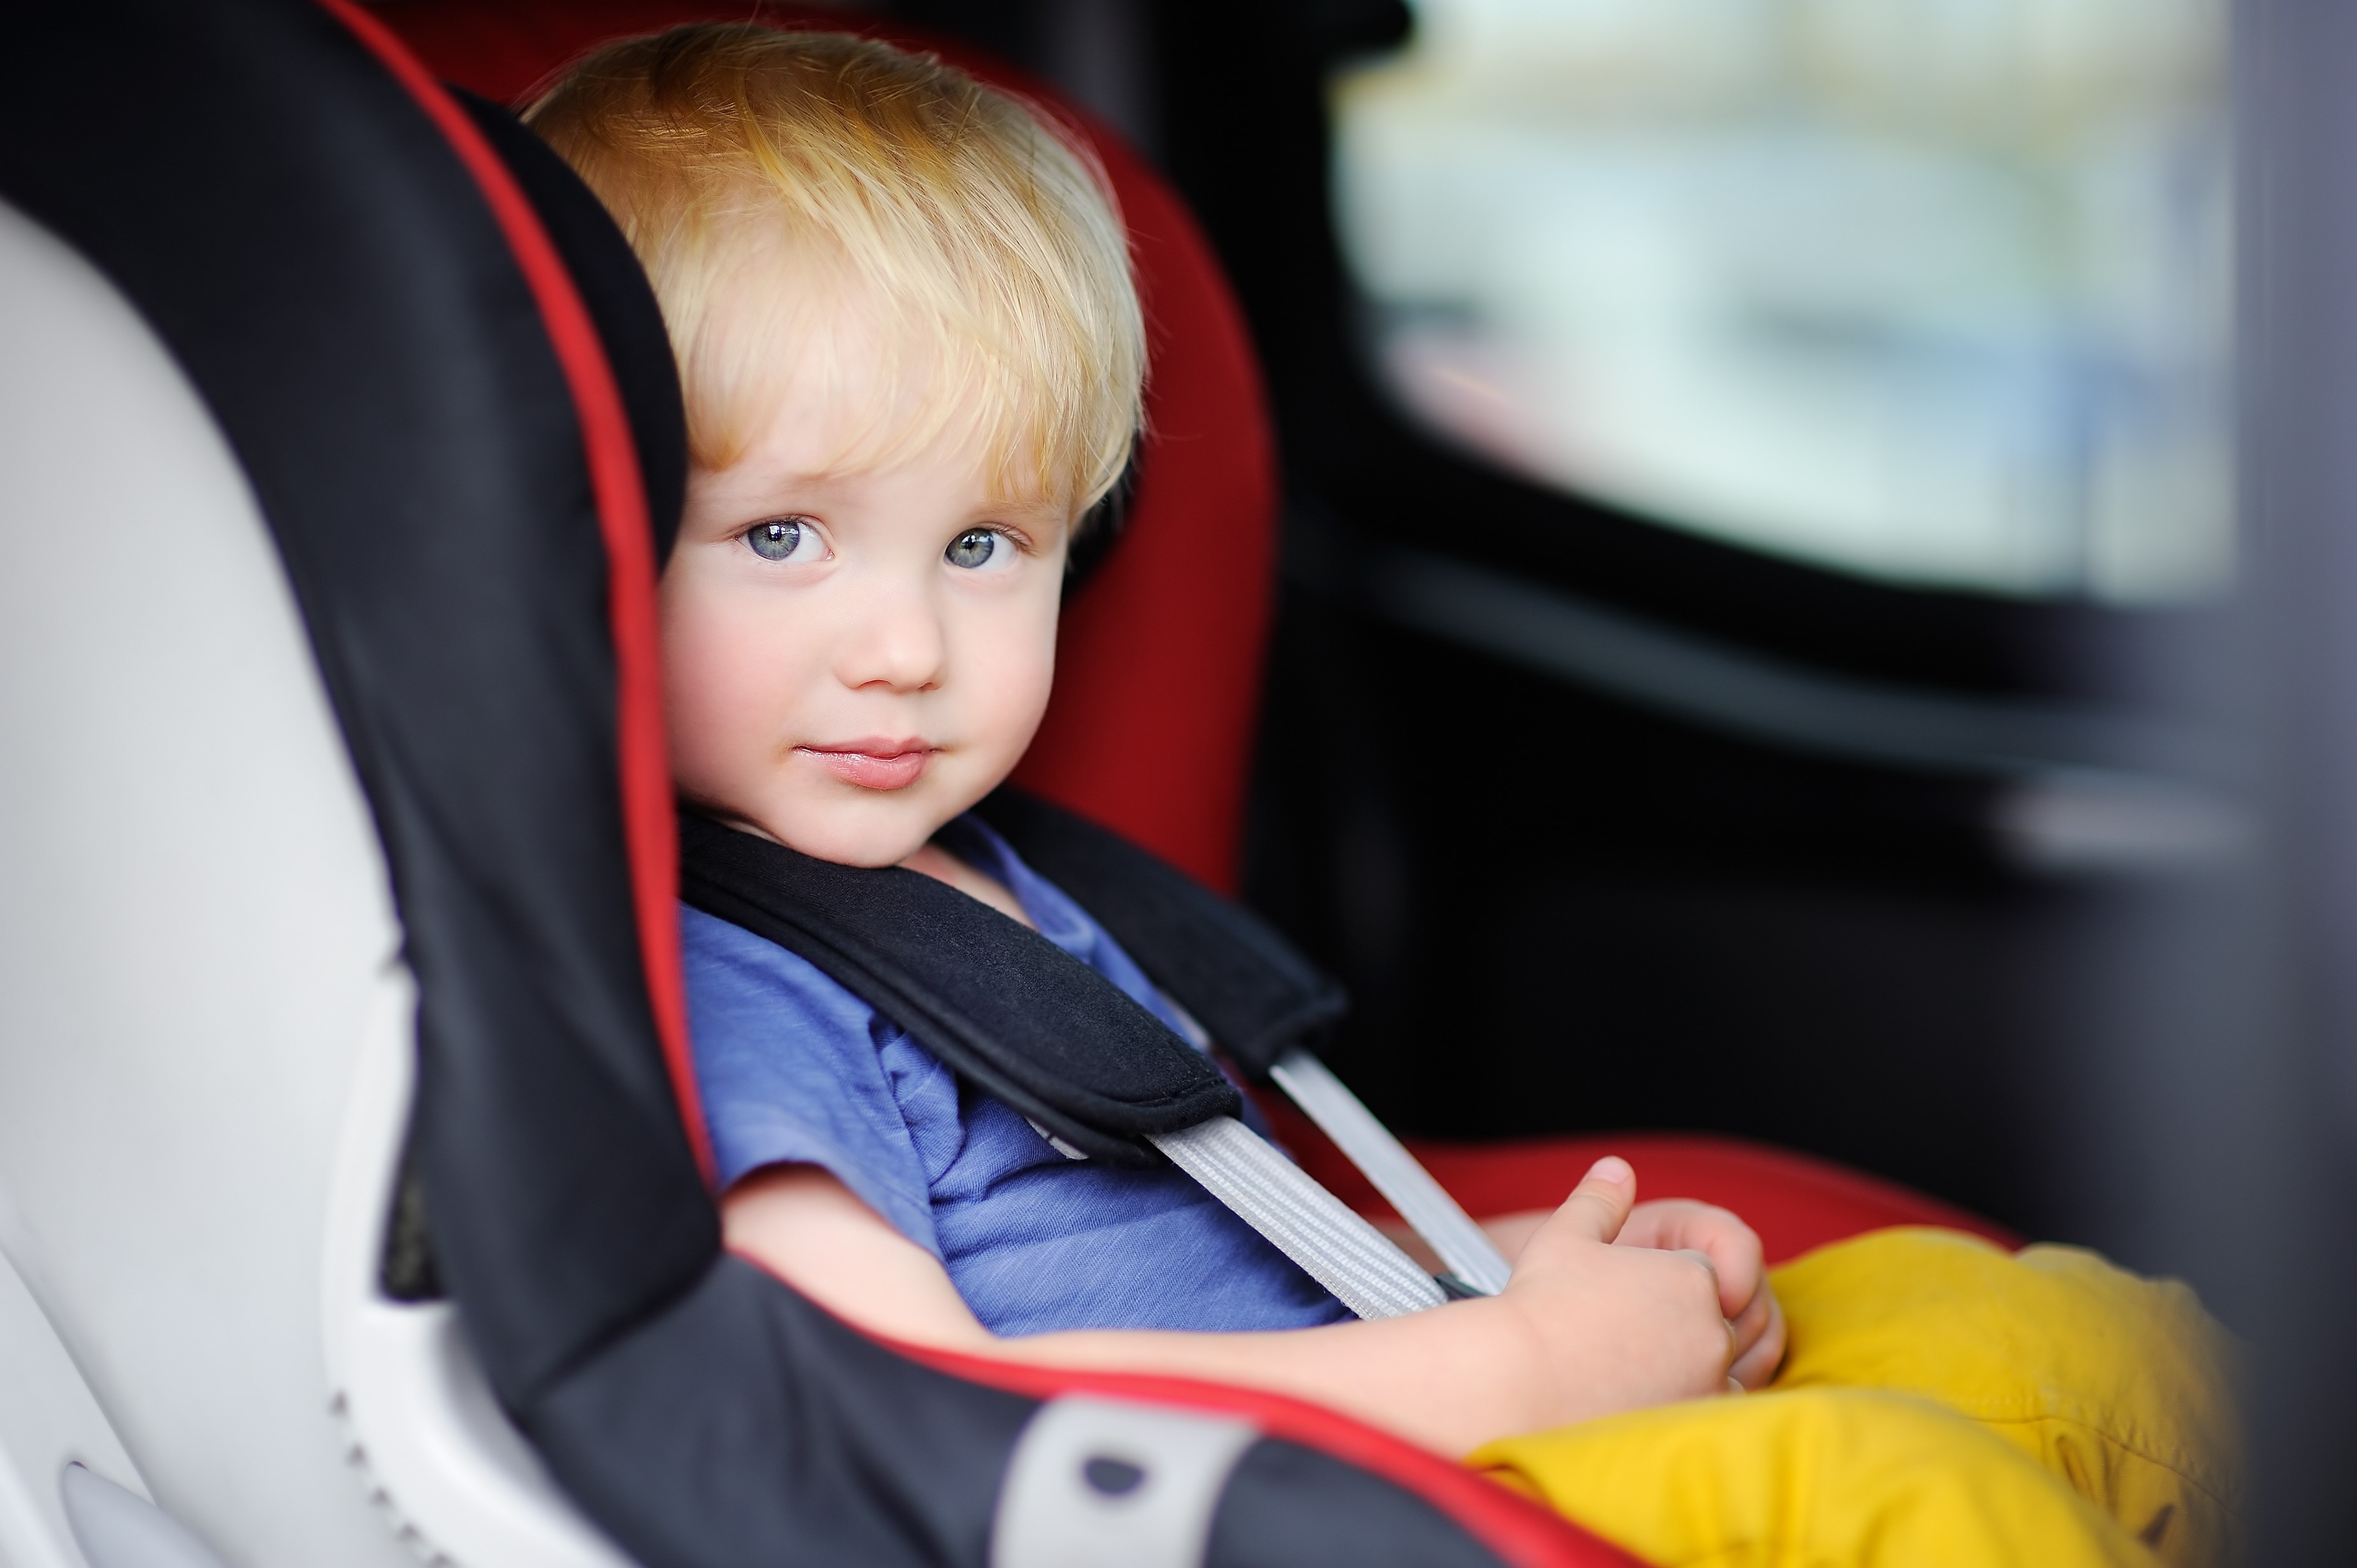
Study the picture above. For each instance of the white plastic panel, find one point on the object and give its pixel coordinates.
(47, 1421)
(194, 928)
(117, 1528)
(440, 1460)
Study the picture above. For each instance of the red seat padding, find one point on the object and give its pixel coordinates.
(1158, 664)
(1796, 1203)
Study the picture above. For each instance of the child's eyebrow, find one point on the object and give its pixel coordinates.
(1036, 506)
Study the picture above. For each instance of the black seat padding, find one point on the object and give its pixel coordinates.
(1252, 991)
(1002, 1005)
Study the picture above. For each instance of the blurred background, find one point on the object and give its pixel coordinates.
(1933, 291)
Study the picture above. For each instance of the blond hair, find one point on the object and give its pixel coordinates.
(788, 191)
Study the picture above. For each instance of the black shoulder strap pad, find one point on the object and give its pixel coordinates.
(1243, 982)
(996, 1002)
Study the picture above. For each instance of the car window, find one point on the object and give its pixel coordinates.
(1935, 291)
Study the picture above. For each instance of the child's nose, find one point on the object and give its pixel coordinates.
(896, 643)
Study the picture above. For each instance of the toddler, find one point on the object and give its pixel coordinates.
(912, 358)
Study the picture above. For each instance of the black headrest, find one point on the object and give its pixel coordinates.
(614, 288)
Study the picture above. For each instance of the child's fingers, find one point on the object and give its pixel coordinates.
(1599, 1205)
(1756, 1361)
(1751, 1320)
(1700, 1259)
(1741, 1280)
(1735, 1341)
(1676, 1225)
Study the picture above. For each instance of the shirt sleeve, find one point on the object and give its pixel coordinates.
(786, 1062)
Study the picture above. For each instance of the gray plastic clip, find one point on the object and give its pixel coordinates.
(1098, 1483)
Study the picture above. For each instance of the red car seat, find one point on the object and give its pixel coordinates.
(1159, 667)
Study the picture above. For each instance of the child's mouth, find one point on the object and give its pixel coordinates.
(874, 763)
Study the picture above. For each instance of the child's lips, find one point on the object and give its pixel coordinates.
(874, 763)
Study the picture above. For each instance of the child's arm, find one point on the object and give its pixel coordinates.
(1584, 1328)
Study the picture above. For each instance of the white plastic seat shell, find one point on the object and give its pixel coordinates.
(204, 1023)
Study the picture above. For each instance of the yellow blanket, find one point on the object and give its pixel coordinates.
(1944, 1404)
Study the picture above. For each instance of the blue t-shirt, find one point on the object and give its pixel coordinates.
(793, 1066)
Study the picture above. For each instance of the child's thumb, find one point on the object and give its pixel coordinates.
(1599, 1205)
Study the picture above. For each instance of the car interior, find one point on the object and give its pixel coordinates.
(1756, 605)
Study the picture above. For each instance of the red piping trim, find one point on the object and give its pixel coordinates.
(1524, 1532)
(648, 829)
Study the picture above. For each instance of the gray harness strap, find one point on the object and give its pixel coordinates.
(1334, 1246)
(1333, 1242)
(1460, 1244)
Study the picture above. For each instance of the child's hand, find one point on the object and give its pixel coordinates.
(1625, 1327)
(1678, 1224)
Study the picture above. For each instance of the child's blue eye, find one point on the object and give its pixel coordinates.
(783, 538)
(980, 549)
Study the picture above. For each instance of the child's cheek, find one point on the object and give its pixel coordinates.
(718, 688)
(1030, 682)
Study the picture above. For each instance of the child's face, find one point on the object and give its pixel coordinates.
(853, 657)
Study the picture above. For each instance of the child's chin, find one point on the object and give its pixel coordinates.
(881, 830)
